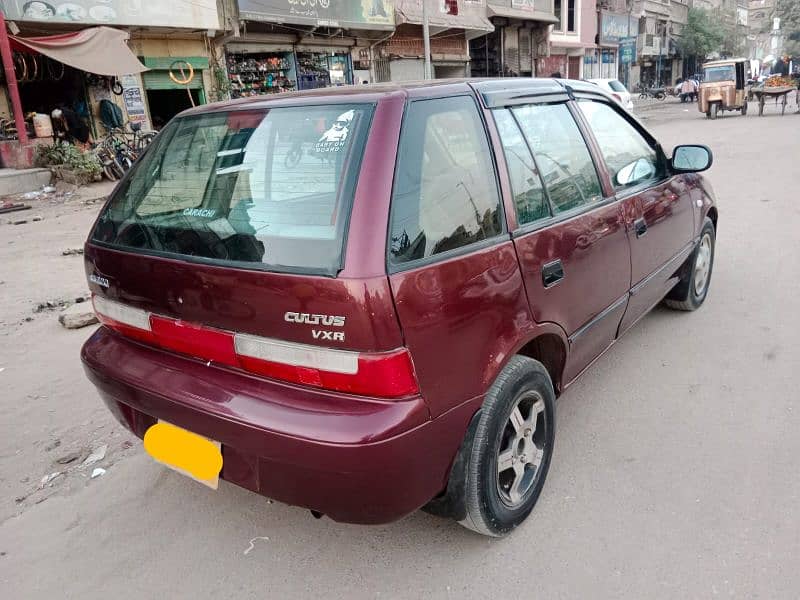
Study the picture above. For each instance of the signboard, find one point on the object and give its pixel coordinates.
(357, 14)
(134, 104)
(195, 14)
(132, 95)
(530, 5)
(614, 27)
(627, 50)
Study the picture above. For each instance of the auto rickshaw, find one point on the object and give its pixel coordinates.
(724, 86)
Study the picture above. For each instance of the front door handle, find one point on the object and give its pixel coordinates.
(640, 226)
(552, 273)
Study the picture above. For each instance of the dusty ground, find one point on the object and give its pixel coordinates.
(675, 472)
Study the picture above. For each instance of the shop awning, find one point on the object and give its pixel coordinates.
(518, 13)
(99, 50)
(471, 20)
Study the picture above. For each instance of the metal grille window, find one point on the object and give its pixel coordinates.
(557, 13)
(571, 25)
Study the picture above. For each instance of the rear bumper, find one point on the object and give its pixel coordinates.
(355, 460)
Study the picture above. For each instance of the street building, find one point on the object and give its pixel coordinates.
(278, 46)
(660, 23)
(169, 42)
(519, 42)
(763, 38)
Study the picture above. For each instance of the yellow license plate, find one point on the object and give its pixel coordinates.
(185, 452)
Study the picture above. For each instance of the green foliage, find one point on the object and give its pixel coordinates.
(789, 13)
(221, 84)
(69, 157)
(702, 34)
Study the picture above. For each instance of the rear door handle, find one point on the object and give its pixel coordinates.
(552, 273)
(640, 226)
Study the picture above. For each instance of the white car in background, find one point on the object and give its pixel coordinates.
(616, 89)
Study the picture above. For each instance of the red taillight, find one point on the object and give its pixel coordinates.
(380, 374)
(617, 97)
(200, 342)
(383, 375)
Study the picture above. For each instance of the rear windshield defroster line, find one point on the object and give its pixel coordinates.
(266, 189)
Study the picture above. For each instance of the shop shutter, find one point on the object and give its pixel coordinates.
(160, 80)
(525, 58)
(512, 51)
(158, 77)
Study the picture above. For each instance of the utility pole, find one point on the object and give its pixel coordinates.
(11, 81)
(426, 36)
(635, 47)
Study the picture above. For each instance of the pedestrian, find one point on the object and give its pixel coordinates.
(687, 90)
(67, 125)
(781, 66)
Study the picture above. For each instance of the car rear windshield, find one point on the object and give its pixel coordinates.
(268, 189)
(616, 86)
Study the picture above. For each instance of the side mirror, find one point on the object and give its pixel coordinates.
(691, 159)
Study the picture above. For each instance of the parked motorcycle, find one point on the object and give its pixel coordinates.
(659, 93)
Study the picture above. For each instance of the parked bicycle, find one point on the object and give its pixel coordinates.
(120, 148)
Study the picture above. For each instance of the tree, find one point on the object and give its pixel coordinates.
(789, 13)
(702, 34)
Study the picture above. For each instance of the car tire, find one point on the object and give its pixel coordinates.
(692, 290)
(744, 108)
(515, 429)
(713, 110)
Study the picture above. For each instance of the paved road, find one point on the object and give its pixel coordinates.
(675, 473)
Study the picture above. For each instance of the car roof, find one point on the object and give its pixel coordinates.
(374, 92)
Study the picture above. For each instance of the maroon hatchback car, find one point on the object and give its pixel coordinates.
(367, 299)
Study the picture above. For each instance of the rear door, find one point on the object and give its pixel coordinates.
(571, 239)
(453, 270)
(661, 213)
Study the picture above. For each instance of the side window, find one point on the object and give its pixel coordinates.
(445, 193)
(561, 154)
(629, 157)
(529, 199)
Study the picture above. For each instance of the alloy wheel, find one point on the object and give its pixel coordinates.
(522, 448)
(702, 267)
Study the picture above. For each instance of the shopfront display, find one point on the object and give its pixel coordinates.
(70, 72)
(172, 85)
(323, 69)
(255, 74)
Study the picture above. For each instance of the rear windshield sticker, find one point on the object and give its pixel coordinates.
(333, 140)
(207, 213)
